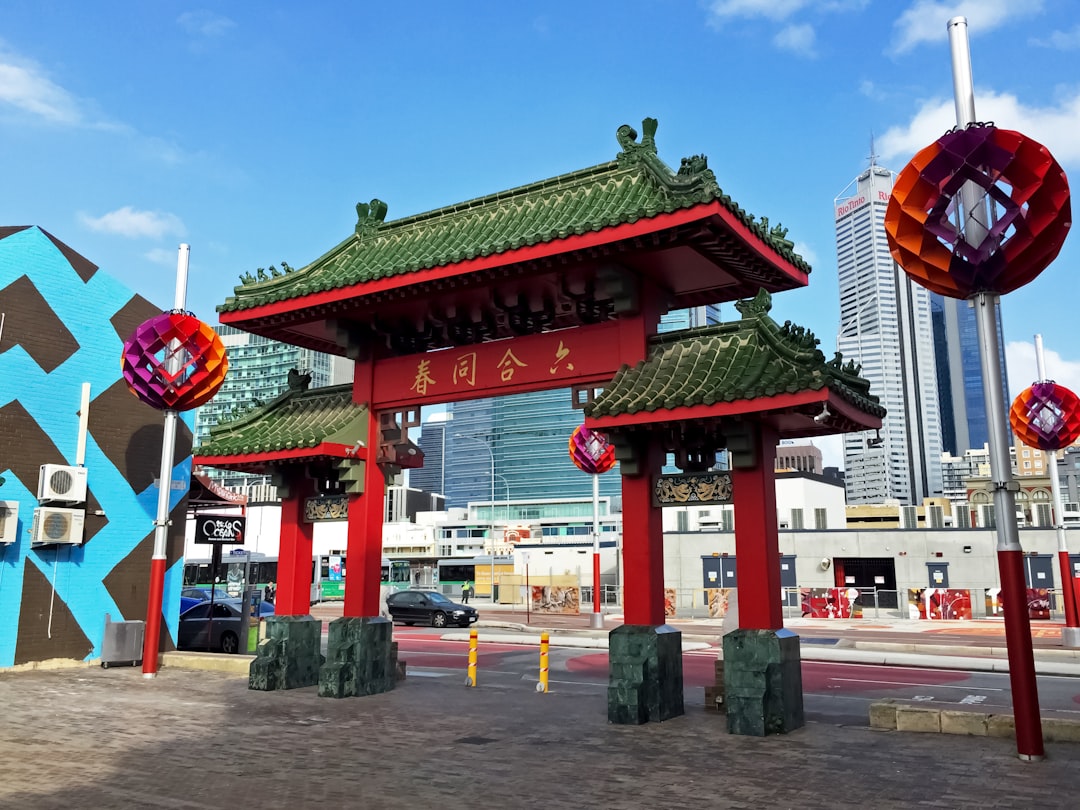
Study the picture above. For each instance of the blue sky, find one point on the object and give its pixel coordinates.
(251, 130)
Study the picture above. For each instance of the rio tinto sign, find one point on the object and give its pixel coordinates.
(226, 529)
(855, 203)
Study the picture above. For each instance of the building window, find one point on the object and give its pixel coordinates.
(796, 518)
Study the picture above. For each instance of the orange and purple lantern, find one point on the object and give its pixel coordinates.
(1046, 416)
(591, 451)
(174, 361)
(1027, 216)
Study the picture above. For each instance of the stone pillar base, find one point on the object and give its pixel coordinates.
(361, 658)
(289, 657)
(645, 679)
(763, 682)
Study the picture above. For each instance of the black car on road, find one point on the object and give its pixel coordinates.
(428, 607)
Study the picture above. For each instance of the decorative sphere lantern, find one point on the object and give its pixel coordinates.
(198, 355)
(1046, 416)
(591, 451)
(1023, 226)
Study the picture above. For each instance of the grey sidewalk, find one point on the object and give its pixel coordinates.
(108, 738)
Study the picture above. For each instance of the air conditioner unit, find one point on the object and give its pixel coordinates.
(54, 525)
(9, 521)
(58, 483)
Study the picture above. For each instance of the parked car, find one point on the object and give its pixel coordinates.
(215, 625)
(428, 607)
(195, 593)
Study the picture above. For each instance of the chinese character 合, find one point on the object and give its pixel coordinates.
(465, 369)
(507, 364)
(561, 354)
(423, 377)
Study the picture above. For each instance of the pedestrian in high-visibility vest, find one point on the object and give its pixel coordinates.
(466, 592)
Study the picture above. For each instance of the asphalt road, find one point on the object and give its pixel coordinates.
(834, 692)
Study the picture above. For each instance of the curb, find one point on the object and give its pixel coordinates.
(888, 715)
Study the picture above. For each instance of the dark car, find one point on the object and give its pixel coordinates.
(198, 632)
(201, 594)
(428, 607)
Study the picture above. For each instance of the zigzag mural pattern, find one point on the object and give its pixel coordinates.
(64, 324)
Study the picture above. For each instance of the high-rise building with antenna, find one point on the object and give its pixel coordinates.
(886, 326)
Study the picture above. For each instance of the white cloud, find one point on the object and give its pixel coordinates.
(205, 24)
(134, 224)
(1053, 127)
(798, 39)
(166, 258)
(770, 9)
(1023, 370)
(24, 86)
(925, 20)
(1060, 40)
(807, 252)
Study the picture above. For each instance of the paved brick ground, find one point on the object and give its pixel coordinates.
(95, 738)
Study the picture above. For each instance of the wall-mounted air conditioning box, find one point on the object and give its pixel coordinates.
(9, 521)
(55, 525)
(59, 483)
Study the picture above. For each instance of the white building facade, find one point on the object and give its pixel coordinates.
(886, 326)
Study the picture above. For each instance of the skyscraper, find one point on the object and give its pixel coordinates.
(258, 372)
(886, 326)
(959, 371)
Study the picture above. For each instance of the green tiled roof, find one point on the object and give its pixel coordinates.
(634, 186)
(295, 420)
(743, 360)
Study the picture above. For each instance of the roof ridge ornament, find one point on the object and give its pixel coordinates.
(756, 307)
(632, 151)
(369, 216)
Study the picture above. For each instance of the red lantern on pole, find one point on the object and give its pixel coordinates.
(1046, 415)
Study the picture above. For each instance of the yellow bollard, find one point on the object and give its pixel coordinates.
(542, 686)
(471, 679)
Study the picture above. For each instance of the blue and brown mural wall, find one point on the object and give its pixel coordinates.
(64, 324)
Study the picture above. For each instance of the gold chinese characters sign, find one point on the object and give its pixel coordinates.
(326, 507)
(534, 362)
(699, 489)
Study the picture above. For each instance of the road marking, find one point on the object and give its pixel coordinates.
(923, 698)
(973, 699)
(910, 683)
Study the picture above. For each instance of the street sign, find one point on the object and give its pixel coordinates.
(220, 529)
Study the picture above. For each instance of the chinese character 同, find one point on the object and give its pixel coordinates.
(465, 369)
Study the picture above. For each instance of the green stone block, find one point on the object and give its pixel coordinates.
(289, 657)
(645, 681)
(763, 682)
(361, 658)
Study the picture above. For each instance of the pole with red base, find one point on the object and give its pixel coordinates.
(1070, 633)
(597, 616)
(152, 636)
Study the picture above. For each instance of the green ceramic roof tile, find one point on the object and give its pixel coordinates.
(295, 420)
(746, 359)
(636, 185)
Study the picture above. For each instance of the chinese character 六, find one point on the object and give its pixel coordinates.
(561, 354)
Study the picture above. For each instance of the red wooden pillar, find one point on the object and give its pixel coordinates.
(364, 548)
(294, 551)
(757, 543)
(643, 542)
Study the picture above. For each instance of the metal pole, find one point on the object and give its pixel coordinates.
(597, 622)
(972, 219)
(161, 523)
(1070, 634)
(491, 453)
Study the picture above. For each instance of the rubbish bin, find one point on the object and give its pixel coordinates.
(254, 616)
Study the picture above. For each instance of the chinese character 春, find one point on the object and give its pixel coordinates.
(423, 377)
(465, 369)
(561, 354)
(507, 366)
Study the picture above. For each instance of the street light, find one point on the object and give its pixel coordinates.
(491, 456)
